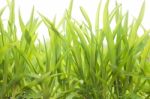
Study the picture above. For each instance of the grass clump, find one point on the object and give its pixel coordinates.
(80, 61)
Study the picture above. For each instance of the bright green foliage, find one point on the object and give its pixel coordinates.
(80, 62)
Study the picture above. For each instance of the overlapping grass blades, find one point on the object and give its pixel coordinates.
(82, 61)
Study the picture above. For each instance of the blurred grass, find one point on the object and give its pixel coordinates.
(77, 62)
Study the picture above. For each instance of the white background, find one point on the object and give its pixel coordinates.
(50, 8)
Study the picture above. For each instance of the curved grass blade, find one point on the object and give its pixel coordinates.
(109, 35)
(86, 17)
(97, 17)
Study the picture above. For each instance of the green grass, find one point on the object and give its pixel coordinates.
(79, 61)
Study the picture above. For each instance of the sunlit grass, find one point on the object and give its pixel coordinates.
(80, 60)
